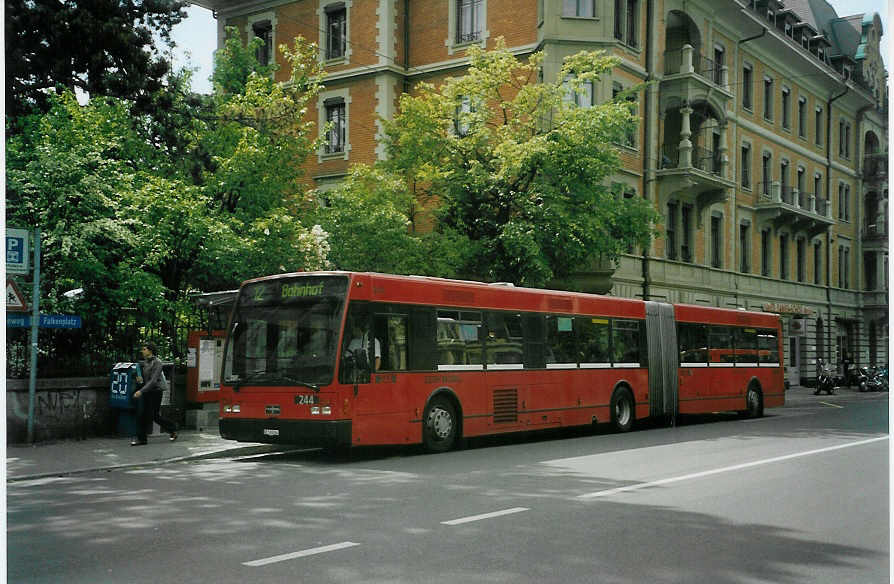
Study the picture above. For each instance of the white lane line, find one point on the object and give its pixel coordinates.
(485, 516)
(832, 405)
(706, 473)
(301, 554)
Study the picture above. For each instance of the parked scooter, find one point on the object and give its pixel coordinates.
(825, 381)
(875, 379)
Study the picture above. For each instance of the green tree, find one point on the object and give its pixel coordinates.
(102, 48)
(138, 228)
(517, 169)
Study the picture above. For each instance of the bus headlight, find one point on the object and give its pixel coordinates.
(327, 411)
(237, 408)
(315, 411)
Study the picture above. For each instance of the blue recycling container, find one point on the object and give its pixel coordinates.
(123, 385)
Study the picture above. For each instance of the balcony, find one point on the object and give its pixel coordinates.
(689, 74)
(875, 168)
(874, 237)
(787, 206)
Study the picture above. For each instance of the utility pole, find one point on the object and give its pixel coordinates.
(35, 322)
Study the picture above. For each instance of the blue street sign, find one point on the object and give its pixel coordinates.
(67, 321)
(17, 251)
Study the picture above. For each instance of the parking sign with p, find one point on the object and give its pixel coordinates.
(17, 251)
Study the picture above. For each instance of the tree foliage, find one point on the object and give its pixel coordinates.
(102, 48)
(139, 228)
(517, 169)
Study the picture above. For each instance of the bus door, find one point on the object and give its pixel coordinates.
(661, 335)
(695, 377)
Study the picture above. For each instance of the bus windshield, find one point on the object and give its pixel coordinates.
(284, 332)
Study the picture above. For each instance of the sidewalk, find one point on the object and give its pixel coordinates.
(66, 457)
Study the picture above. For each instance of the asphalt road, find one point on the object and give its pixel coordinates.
(800, 495)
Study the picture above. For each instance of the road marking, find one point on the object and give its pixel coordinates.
(832, 405)
(301, 554)
(485, 516)
(706, 473)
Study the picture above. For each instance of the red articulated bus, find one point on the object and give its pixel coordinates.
(346, 359)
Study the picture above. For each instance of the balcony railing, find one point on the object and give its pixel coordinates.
(707, 68)
(774, 192)
(875, 166)
(874, 231)
(706, 160)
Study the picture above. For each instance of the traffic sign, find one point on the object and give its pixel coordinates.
(17, 251)
(66, 321)
(15, 300)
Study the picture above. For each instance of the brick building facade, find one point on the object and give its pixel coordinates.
(763, 141)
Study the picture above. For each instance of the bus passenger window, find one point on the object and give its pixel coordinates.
(459, 339)
(593, 337)
(768, 347)
(560, 344)
(693, 341)
(626, 342)
(504, 339)
(391, 330)
(746, 345)
(721, 344)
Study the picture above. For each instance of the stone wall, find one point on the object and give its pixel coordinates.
(75, 407)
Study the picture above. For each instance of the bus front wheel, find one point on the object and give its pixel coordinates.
(622, 410)
(439, 425)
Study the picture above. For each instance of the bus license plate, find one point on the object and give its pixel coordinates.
(270, 432)
(307, 399)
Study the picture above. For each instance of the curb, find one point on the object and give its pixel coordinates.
(241, 451)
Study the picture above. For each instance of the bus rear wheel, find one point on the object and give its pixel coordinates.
(439, 425)
(754, 402)
(622, 410)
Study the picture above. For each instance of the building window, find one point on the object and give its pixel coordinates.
(626, 22)
(580, 97)
(818, 126)
(766, 173)
(617, 89)
(801, 174)
(843, 267)
(579, 8)
(768, 99)
(746, 166)
(844, 138)
(718, 64)
(716, 241)
(783, 257)
(748, 87)
(817, 262)
(765, 252)
(469, 15)
(336, 31)
(335, 115)
(802, 117)
(686, 251)
(801, 259)
(462, 117)
(817, 184)
(263, 30)
(744, 251)
(671, 230)
(786, 108)
(783, 180)
(844, 202)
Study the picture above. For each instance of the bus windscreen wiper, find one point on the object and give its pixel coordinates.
(274, 376)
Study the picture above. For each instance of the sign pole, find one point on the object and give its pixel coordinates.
(35, 321)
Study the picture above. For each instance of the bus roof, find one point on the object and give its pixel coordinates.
(451, 293)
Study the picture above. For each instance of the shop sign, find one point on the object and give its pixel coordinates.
(784, 308)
